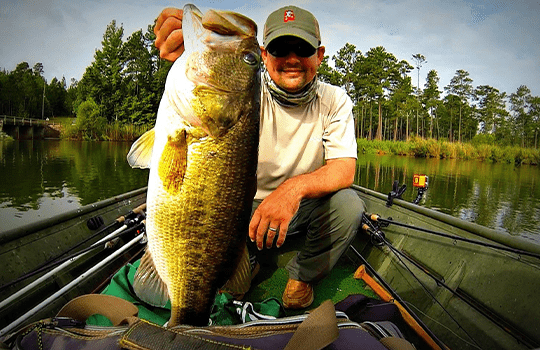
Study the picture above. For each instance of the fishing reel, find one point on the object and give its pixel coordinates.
(372, 226)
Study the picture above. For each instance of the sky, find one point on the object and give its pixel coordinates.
(496, 41)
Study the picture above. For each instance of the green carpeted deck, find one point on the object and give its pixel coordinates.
(269, 283)
(272, 278)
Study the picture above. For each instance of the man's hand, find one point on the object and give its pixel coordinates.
(169, 35)
(274, 214)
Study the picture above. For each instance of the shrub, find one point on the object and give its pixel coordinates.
(419, 147)
(89, 124)
(466, 151)
(483, 148)
(483, 139)
(433, 149)
(484, 152)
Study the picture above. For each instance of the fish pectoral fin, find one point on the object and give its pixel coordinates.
(173, 162)
(140, 154)
(148, 286)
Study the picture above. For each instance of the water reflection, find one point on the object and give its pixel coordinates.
(496, 195)
(43, 178)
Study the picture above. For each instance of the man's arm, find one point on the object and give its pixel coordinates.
(279, 207)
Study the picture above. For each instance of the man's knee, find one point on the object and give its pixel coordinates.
(348, 206)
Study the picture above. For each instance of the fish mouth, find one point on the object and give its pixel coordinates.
(213, 31)
(225, 23)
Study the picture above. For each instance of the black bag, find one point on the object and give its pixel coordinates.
(321, 328)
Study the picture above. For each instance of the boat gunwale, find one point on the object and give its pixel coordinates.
(33, 227)
(498, 236)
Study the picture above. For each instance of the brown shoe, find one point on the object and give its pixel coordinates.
(297, 295)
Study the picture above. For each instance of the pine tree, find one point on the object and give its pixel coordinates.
(519, 105)
(376, 72)
(430, 97)
(491, 108)
(102, 80)
(461, 86)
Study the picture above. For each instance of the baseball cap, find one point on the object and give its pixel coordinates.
(293, 21)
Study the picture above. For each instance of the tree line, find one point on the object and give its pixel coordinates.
(123, 84)
(126, 79)
(388, 107)
(25, 93)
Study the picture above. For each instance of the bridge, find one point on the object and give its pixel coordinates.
(28, 128)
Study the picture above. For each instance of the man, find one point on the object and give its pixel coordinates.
(307, 149)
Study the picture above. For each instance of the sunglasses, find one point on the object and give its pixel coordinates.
(282, 49)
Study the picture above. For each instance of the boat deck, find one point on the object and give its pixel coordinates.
(271, 280)
(269, 283)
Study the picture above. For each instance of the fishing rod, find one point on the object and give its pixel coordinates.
(116, 224)
(129, 226)
(386, 222)
(92, 222)
(380, 237)
(70, 285)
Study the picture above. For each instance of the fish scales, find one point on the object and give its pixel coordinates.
(205, 219)
(203, 165)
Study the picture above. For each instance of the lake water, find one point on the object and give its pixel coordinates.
(497, 195)
(43, 178)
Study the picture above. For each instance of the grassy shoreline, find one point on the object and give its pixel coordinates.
(109, 132)
(431, 148)
(415, 147)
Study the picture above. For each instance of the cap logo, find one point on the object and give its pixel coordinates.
(288, 16)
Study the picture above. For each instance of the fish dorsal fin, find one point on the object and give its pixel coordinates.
(140, 154)
(147, 284)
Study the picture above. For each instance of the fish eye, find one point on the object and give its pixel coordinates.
(251, 59)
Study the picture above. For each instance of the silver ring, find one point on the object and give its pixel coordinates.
(272, 229)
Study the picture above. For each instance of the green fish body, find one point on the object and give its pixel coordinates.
(202, 156)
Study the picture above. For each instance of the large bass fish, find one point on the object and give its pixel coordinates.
(202, 156)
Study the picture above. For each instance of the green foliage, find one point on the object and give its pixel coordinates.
(24, 92)
(5, 137)
(379, 85)
(483, 139)
(432, 148)
(124, 82)
(124, 132)
(527, 156)
(126, 79)
(328, 74)
(425, 148)
(89, 124)
(484, 152)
